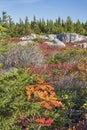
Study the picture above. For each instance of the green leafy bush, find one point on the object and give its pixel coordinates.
(69, 56)
(13, 101)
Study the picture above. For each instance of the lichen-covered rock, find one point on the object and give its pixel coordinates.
(56, 42)
(84, 45)
(70, 37)
(28, 37)
(48, 36)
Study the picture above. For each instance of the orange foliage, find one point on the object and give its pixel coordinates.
(39, 80)
(43, 94)
(47, 106)
(44, 122)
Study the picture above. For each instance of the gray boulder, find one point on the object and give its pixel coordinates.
(28, 37)
(56, 42)
(70, 37)
(48, 36)
(84, 45)
(23, 43)
(51, 36)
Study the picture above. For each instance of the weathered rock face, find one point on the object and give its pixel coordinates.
(70, 37)
(28, 37)
(82, 45)
(23, 43)
(48, 36)
(22, 57)
(56, 42)
(51, 36)
(53, 40)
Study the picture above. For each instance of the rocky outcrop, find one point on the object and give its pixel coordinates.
(48, 36)
(81, 44)
(57, 39)
(70, 37)
(52, 40)
(56, 42)
(28, 37)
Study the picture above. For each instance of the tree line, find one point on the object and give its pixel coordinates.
(41, 26)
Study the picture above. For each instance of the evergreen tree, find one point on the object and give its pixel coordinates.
(11, 27)
(5, 19)
(79, 28)
(3, 34)
(58, 26)
(63, 26)
(85, 28)
(50, 26)
(69, 25)
(27, 26)
(35, 25)
(0, 20)
(42, 26)
(20, 28)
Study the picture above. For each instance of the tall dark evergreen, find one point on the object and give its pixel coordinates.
(11, 26)
(42, 26)
(69, 25)
(85, 28)
(58, 26)
(5, 19)
(50, 26)
(27, 26)
(0, 20)
(35, 25)
(79, 28)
